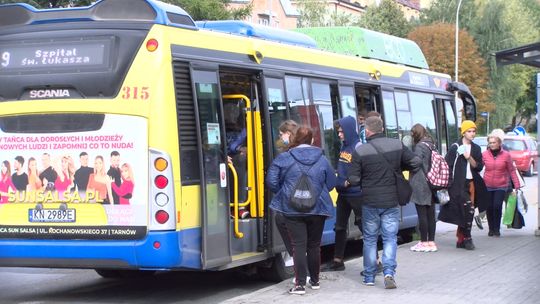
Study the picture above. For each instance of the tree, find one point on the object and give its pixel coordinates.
(386, 18)
(492, 34)
(50, 3)
(314, 13)
(523, 17)
(439, 52)
(444, 11)
(199, 10)
(211, 9)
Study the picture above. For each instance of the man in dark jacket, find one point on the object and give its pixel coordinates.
(380, 209)
(348, 196)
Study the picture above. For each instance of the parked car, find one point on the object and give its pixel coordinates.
(524, 153)
(481, 141)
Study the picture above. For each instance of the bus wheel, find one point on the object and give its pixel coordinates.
(406, 235)
(116, 273)
(281, 268)
(109, 273)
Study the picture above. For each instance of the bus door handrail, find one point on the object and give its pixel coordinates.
(237, 232)
(249, 154)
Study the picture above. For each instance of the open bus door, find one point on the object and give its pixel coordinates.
(468, 107)
(215, 232)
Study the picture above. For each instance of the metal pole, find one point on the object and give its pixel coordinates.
(487, 130)
(456, 65)
(457, 41)
(537, 231)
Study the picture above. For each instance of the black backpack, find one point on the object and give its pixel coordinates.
(303, 196)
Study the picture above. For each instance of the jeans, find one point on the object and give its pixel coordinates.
(494, 209)
(386, 222)
(305, 233)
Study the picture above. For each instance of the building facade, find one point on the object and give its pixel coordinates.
(284, 14)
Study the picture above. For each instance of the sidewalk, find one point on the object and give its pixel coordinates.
(500, 270)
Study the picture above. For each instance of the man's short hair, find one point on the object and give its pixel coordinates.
(374, 124)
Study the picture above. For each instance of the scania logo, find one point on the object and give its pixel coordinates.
(57, 93)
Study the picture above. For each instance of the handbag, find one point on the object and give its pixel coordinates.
(404, 189)
(443, 197)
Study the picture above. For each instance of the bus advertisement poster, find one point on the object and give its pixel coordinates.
(72, 184)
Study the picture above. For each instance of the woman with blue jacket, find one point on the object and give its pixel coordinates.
(305, 228)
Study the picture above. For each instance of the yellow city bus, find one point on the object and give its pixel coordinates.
(116, 122)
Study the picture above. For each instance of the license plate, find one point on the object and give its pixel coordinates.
(51, 215)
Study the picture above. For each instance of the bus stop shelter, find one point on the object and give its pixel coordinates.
(528, 55)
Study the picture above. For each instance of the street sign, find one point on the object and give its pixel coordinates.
(519, 130)
(484, 114)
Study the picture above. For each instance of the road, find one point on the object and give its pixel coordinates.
(43, 286)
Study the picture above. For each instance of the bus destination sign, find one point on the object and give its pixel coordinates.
(50, 55)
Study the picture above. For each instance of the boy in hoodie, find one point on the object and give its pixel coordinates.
(348, 196)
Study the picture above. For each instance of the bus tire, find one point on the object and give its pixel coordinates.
(406, 235)
(109, 273)
(117, 273)
(277, 271)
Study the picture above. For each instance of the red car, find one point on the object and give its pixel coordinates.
(524, 153)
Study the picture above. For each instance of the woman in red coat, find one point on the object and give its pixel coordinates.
(499, 168)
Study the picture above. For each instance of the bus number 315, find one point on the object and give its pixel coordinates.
(135, 93)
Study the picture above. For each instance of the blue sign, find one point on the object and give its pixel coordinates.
(519, 130)
(484, 114)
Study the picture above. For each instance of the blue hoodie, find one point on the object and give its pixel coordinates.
(348, 125)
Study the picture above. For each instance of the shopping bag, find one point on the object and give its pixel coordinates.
(519, 221)
(521, 202)
(508, 217)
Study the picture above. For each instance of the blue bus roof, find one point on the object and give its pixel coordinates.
(104, 10)
(258, 31)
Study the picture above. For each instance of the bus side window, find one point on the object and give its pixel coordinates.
(278, 110)
(389, 115)
(298, 100)
(323, 122)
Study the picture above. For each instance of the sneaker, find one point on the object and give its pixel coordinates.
(478, 222)
(490, 233)
(368, 281)
(298, 289)
(334, 266)
(420, 247)
(460, 245)
(389, 282)
(468, 244)
(294, 280)
(432, 247)
(379, 270)
(314, 285)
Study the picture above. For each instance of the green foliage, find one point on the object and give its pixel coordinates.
(494, 34)
(445, 11)
(314, 13)
(50, 3)
(497, 25)
(211, 9)
(386, 18)
(439, 52)
(311, 12)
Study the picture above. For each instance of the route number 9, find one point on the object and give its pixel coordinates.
(5, 59)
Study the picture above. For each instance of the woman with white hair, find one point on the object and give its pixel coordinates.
(499, 168)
